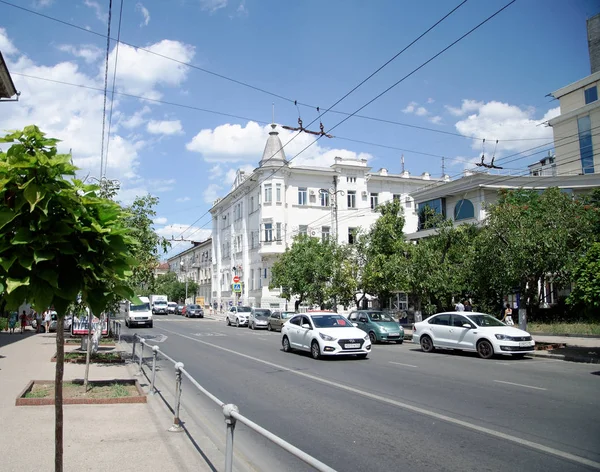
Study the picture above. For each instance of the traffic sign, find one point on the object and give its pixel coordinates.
(236, 279)
(236, 287)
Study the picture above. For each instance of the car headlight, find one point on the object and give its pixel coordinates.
(366, 338)
(382, 329)
(326, 337)
(503, 337)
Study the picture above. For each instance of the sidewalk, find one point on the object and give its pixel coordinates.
(123, 437)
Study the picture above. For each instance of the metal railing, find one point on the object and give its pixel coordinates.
(115, 329)
(230, 411)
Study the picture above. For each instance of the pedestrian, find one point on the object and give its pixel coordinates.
(47, 319)
(38, 321)
(12, 321)
(459, 306)
(23, 321)
(468, 306)
(508, 315)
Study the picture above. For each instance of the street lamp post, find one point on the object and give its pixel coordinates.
(183, 269)
(333, 193)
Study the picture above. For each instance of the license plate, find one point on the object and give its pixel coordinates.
(525, 344)
(352, 346)
(393, 335)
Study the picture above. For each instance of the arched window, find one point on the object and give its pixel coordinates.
(463, 209)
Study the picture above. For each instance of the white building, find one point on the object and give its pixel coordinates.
(255, 222)
(195, 264)
(576, 135)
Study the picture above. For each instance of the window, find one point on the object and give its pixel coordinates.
(586, 149)
(324, 198)
(265, 273)
(351, 235)
(296, 320)
(268, 232)
(251, 279)
(591, 94)
(252, 240)
(303, 229)
(458, 321)
(325, 233)
(302, 196)
(251, 209)
(278, 193)
(429, 209)
(351, 180)
(374, 200)
(259, 279)
(463, 209)
(407, 202)
(351, 199)
(278, 232)
(443, 320)
(268, 193)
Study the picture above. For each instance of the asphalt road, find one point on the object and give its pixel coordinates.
(399, 409)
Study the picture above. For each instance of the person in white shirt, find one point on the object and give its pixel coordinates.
(459, 306)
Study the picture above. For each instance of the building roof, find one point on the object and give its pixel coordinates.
(273, 155)
(576, 85)
(196, 246)
(163, 266)
(7, 86)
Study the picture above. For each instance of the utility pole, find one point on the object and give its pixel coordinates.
(443, 166)
(402, 161)
(335, 207)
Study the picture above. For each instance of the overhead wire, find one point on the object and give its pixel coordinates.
(105, 85)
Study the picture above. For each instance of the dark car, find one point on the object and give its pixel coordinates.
(179, 309)
(193, 311)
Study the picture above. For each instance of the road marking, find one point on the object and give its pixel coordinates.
(520, 385)
(415, 409)
(400, 363)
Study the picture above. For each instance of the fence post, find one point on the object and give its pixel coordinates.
(230, 422)
(176, 427)
(119, 325)
(154, 356)
(133, 351)
(142, 341)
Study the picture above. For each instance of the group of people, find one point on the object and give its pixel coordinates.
(42, 320)
(506, 311)
(463, 306)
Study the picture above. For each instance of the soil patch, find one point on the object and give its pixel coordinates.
(548, 346)
(41, 392)
(78, 357)
(102, 342)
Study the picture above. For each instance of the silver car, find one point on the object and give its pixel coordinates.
(277, 318)
(259, 318)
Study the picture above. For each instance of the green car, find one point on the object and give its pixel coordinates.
(380, 326)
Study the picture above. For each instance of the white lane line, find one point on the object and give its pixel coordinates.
(415, 409)
(400, 363)
(520, 385)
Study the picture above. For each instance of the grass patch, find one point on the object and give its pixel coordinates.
(77, 390)
(118, 391)
(41, 392)
(101, 341)
(98, 357)
(589, 329)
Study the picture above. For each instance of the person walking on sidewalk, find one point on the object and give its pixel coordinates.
(47, 319)
(23, 321)
(508, 315)
(12, 321)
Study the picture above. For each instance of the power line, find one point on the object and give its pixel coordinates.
(105, 84)
(112, 97)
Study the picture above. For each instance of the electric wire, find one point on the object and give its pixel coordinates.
(105, 85)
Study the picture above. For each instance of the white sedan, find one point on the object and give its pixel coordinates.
(471, 331)
(324, 334)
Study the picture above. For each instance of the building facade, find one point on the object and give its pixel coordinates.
(195, 264)
(259, 218)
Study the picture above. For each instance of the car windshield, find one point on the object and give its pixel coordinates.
(485, 321)
(172, 304)
(262, 313)
(194, 307)
(142, 307)
(244, 309)
(380, 316)
(330, 321)
(287, 314)
(160, 302)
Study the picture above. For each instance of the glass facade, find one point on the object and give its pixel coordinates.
(586, 148)
(591, 94)
(437, 205)
(463, 210)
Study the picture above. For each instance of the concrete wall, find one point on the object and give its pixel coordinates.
(593, 31)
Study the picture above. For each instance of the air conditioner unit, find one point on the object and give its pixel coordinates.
(313, 232)
(311, 192)
(364, 194)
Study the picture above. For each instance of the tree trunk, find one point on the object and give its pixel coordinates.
(87, 355)
(58, 395)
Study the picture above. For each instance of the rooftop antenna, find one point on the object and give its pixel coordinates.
(402, 160)
(443, 166)
(273, 114)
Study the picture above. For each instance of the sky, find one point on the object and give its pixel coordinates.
(185, 118)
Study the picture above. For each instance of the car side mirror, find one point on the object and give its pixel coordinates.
(467, 325)
(306, 326)
(355, 325)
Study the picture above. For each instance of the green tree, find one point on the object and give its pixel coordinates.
(58, 239)
(586, 279)
(169, 285)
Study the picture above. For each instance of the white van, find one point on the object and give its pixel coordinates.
(138, 314)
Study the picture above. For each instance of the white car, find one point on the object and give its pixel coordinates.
(238, 316)
(471, 331)
(324, 334)
(172, 307)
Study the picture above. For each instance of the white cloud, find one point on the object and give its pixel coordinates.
(466, 107)
(103, 17)
(160, 220)
(140, 72)
(128, 195)
(241, 9)
(161, 185)
(421, 111)
(234, 143)
(136, 119)
(410, 108)
(165, 127)
(183, 199)
(514, 127)
(212, 192)
(213, 5)
(6, 46)
(436, 120)
(413, 107)
(430, 100)
(88, 52)
(215, 172)
(145, 13)
(43, 3)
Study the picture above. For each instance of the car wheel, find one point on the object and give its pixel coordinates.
(237, 323)
(518, 356)
(151, 324)
(362, 356)
(250, 326)
(372, 337)
(427, 344)
(285, 343)
(315, 350)
(269, 327)
(227, 321)
(485, 349)
(400, 342)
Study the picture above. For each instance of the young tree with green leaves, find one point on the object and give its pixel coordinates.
(58, 239)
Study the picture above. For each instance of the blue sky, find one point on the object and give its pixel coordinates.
(492, 85)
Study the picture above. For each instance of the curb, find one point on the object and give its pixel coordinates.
(566, 357)
(588, 336)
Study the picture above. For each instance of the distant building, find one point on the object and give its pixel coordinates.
(575, 129)
(161, 269)
(195, 264)
(7, 86)
(255, 222)
(545, 166)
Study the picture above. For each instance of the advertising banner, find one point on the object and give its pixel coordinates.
(80, 325)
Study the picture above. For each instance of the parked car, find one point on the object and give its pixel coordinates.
(378, 325)
(324, 334)
(238, 316)
(474, 331)
(139, 313)
(258, 318)
(171, 307)
(193, 311)
(179, 309)
(277, 318)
